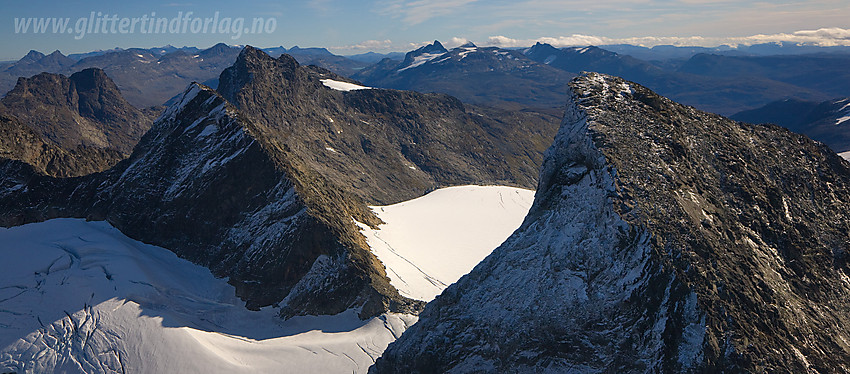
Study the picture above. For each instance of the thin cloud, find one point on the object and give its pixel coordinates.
(825, 37)
(418, 11)
(455, 42)
(375, 45)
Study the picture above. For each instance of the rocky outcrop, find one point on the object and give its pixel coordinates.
(385, 146)
(661, 239)
(20, 143)
(85, 109)
(206, 184)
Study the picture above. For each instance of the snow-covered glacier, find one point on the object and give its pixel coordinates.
(79, 296)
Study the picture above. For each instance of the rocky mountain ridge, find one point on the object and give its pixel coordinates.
(200, 150)
(150, 77)
(478, 75)
(385, 146)
(267, 190)
(85, 109)
(69, 126)
(661, 239)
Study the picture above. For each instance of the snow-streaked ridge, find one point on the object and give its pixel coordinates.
(421, 59)
(574, 276)
(80, 296)
(844, 112)
(428, 243)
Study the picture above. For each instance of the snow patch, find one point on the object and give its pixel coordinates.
(845, 155)
(847, 105)
(466, 51)
(209, 130)
(421, 59)
(428, 243)
(342, 86)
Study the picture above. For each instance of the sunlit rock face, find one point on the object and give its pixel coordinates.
(661, 239)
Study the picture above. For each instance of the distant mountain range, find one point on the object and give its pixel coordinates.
(372, 57)
(670, 52)
(150, 77)
(723, 80)
(828, 121)
(715, 83)
(146, 77)
(480, 75)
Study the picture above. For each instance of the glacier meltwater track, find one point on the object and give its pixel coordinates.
(79, 296)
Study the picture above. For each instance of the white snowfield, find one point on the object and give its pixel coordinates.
(845, 155)
(342, 86)
(430, 242)
(420, 60)
(844, 112)
(80, 296)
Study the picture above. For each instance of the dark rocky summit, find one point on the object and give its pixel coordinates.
(661, 239)
(69, 126)
(84, 109)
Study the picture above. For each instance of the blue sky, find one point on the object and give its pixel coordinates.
(348, 27)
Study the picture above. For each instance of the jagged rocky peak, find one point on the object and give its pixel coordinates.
(32, 56)
(58, 58)
(78, 124)
(85, 109)
(541, 48)
(467, 45)
(423, 53)
(435, 47)
(219, 48)
(253, 65)
(280, 232)
(661, 239)
(384, 146)
(286, 236)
